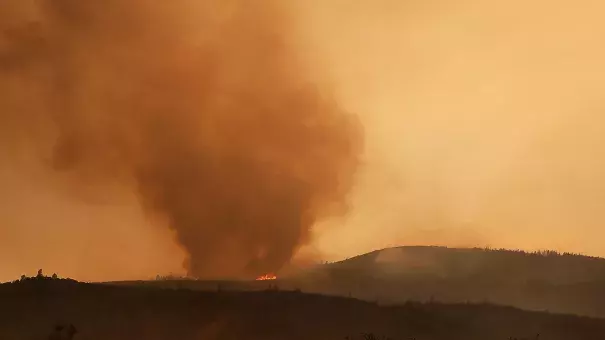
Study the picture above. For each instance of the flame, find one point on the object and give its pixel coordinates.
(266, 277)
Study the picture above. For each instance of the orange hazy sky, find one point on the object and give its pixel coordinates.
(484, 127)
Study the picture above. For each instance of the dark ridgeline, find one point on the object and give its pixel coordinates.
(101, 311)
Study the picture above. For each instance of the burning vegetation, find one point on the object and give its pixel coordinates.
(266, 277)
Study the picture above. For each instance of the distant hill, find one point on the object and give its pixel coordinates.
(486, 264)
(538, 281)
(31, 308)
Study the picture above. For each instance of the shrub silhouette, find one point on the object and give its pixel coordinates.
(61, 332)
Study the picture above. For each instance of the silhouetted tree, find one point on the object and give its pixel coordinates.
(62, 332)
(71, 332)
(56, 333)
(40, 274)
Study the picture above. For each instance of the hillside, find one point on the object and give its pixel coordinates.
(463, 263)
(538, 281)
(545, 281)
(31, 308)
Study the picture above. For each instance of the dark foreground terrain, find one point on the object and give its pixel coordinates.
(31, 308)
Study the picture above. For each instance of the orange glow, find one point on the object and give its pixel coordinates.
(266, 277)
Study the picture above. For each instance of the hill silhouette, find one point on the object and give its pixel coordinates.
(490, 264)
(31, 308)
(567, 283)
(539, 281)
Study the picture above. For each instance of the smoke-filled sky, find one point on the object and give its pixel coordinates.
(137, 138)
(484, 122)
(204, 111)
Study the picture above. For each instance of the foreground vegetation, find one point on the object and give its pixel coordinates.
(31, 308)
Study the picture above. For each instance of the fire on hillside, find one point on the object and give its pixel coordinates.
(266, 277)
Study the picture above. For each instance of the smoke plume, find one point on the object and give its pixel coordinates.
(204, 108)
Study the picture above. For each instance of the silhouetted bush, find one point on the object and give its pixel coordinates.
(62, 332)
(41, 277)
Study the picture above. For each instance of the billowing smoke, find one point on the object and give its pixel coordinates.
(204, 108)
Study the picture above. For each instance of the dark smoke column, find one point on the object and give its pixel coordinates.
(209, 116)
